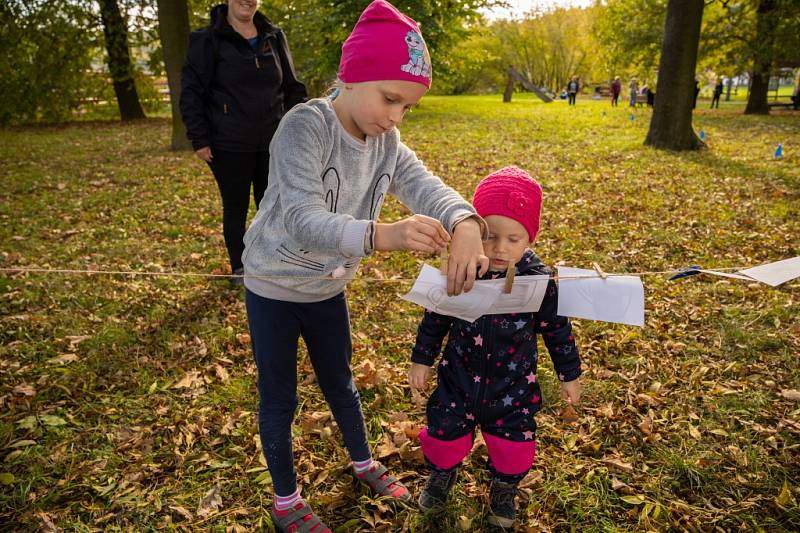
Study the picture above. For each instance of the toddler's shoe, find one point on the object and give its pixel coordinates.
(503, 507)
(437, 488)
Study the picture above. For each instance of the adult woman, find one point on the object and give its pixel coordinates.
(237, 82)
(616, 89)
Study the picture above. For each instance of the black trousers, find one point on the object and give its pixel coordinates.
(235, 172)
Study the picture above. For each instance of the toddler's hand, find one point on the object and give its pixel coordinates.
(571, 391)
(417, 232)
(418, 376)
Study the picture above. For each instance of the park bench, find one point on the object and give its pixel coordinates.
(641, 100)
(781, 103)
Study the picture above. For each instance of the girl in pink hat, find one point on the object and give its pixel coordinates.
(487, 375)
(333, 161)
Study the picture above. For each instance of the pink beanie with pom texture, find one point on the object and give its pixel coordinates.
(385, 44)
(511, 192)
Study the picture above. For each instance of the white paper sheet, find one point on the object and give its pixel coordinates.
(485, 298)
(618, 299)
(430, 291)
(776, 273)
(726, 274)
(526, 296)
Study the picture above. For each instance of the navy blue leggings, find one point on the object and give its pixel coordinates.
(275, 328)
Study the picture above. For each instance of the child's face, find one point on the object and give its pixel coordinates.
(374, 107)
(508, 240)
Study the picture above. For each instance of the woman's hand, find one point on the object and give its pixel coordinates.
(417, 232)
(418, 376)
(466, 256)
(204, 154)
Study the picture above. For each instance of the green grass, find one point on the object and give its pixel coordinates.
(160, 404)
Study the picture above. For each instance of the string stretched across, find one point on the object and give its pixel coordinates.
(36, 270)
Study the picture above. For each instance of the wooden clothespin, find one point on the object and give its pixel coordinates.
(599, 271)
(512, 268)
(445, 257)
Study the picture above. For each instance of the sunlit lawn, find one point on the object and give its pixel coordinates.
(124, 400)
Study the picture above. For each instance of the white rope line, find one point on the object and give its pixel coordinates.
(36, 270)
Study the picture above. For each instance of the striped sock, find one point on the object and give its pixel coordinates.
(362, 466)
(282, 503)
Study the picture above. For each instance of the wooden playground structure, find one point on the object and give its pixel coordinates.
(515, 77)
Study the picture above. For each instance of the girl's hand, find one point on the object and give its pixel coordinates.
(466, 256)
(204, 154)
(571, 391)
(417, 232)
(418, 376)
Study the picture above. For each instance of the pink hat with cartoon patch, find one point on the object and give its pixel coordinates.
(511, 192)
(385, 44)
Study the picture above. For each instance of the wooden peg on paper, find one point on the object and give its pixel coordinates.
(512, 268)
(445, 257)
(599, 271)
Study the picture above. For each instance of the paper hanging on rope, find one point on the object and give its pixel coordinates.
(774, 274)
(485, 298)
(618, 299)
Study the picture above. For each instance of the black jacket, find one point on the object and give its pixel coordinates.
(232, 98)
(488, 370)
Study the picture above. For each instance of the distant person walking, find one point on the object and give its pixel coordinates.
(616, 89)
(634, 87)
(718, 88)
(696, 92)
(572, 89)
(651, 97)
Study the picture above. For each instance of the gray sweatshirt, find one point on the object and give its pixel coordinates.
(325, 190)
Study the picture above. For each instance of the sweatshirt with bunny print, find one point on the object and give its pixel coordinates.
(325, 191)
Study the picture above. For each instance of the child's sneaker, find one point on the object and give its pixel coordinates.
(503, 511)
(299, 519)
(381, 482)
(437, 488)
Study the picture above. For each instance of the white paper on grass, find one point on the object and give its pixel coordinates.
(618, 299)
(485, 298)
(776, 273)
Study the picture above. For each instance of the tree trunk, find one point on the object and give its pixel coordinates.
(119, 60)
(766, 21)
(757, 98)
(173, 30)
(671, 125)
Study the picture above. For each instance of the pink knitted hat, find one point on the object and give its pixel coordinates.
(385, 45)
(512, 193)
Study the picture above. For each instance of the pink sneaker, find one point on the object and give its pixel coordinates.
(380, 481)
(299, 519)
